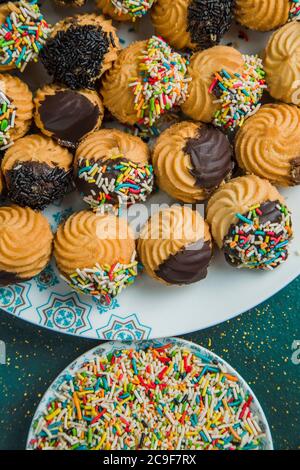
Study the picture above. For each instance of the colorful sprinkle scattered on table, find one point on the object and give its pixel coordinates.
(23, 34)
(238, 95)
(162, 82)
(164, 397)
(134, 8)
(116, 181)
(104, 282)
(7, 120)
(260, 239)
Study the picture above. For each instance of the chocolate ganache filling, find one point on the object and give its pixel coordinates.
(188, 265)
(68, 115)
(36, 184)
(211, 157)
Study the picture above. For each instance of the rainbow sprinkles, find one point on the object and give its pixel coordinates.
(7, 120)
(162, 82)
(134, 8)
(23, 34)
(164, 398)
(104, 282)
(239, 94)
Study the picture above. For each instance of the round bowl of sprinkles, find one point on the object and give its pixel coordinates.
(166, 394)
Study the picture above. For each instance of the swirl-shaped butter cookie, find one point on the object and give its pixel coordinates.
(96, 254)
(37, 171)
(80, 50)
(262, 15)
(191, 160)
(226, 87)
(268, 145)
(16, 109)
(73, 3)
(26, 244)
(282, 65)
(200, 104)
(251, 223)
(67, 115)
(175, 246)
(113, 168)
(147, 80)
(192, 24)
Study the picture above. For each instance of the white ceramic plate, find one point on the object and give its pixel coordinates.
(147, 309)
(107, 348)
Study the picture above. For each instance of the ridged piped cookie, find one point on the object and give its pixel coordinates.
(17, 106)
(37, 171)
(191, 160)
(67, 115)
(268, 145)
(282, 66)
(26, 244)
(96, 254)
(250, 221)
(113, 168)
(175, 246)
(262, 15)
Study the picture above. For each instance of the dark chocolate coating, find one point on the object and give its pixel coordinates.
(7, 278)
(68, 115)
(36, 184)
(188, 265)
(74, 57)
(211, 157)
(296, 170)
(209, 20)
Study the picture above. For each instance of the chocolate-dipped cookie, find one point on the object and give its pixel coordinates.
(37, 171)
(26, 244)
(112, 168)
(16, 109)
(1, 184)
(191, 160)
(96, 255)
(80, 50)
(24, 31)
(193, 24)
(67, 115)
(175, 246)
(134, 90)
(225, 88)
(251, 223)
(268, 145)
(125, 10)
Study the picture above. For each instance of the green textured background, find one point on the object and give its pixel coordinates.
(258, 344)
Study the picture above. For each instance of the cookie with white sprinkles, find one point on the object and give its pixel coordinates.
(95, 254)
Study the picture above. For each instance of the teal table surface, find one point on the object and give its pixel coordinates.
(259, 344)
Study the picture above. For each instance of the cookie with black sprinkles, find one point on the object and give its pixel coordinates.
(192, 24)
(80, 50)
(37, 171)
(209, 20)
